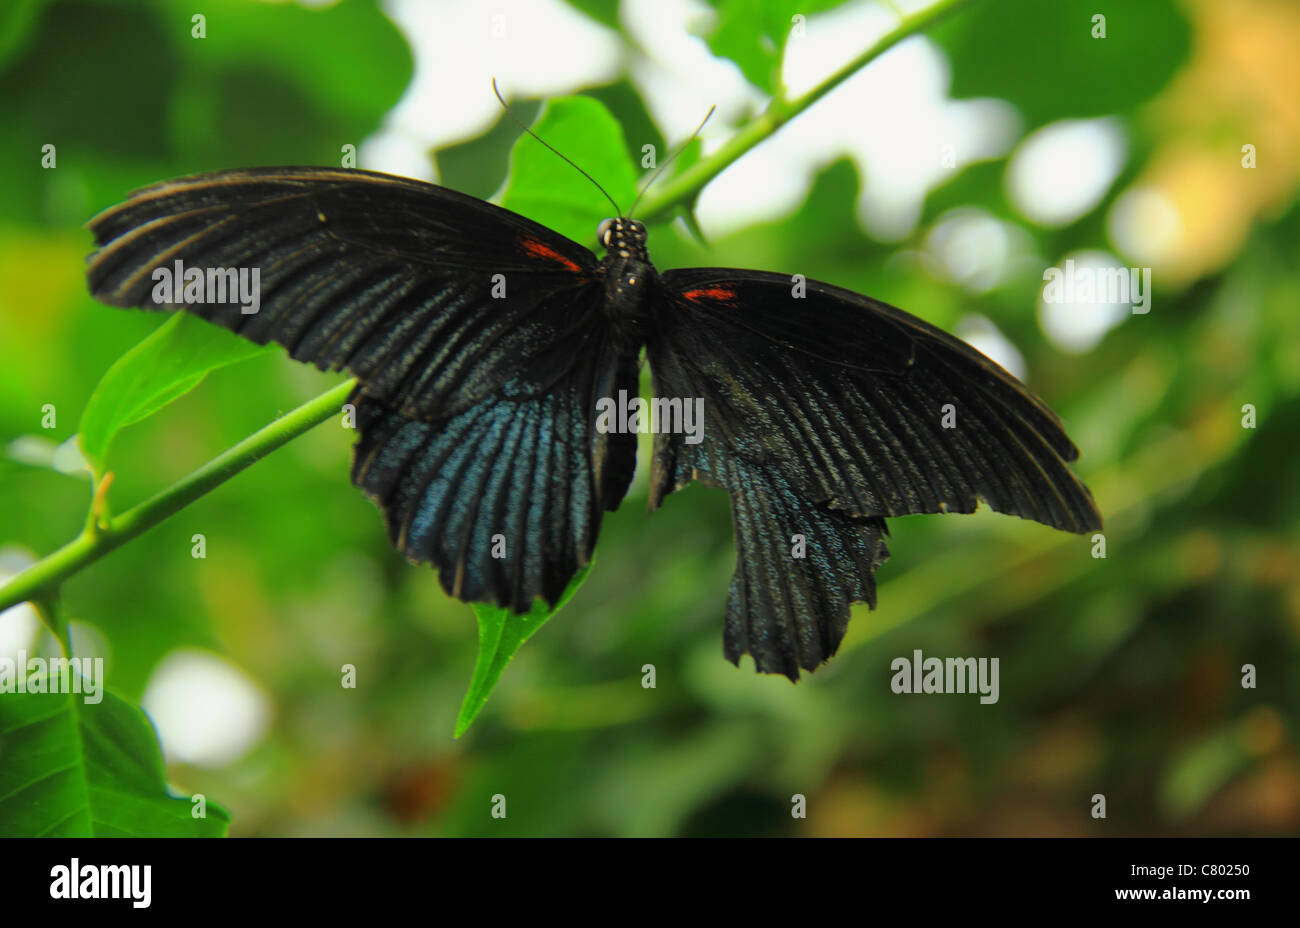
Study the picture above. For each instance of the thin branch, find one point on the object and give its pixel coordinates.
(685, 187)
(43, 577)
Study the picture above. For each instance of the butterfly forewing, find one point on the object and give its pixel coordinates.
(476, 335)
(864, 408)
(432, 298)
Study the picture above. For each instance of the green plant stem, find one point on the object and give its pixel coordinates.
(685, 187)
(41, 581)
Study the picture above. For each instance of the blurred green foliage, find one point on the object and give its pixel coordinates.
(1120, 676)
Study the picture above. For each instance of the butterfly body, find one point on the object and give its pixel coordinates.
(629, 277)
(485, 344)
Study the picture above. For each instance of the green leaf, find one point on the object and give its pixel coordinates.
(627, 105)
(172, 361)
(500, 634)
(753, 34)
(69, 768)
(1058, 70)
(52, 90)
(741, 33)
(281, 83)
(349, 56)
(546, 190)
(604, 12)
(479, 166)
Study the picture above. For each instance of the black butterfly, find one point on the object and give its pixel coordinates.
(483, 341)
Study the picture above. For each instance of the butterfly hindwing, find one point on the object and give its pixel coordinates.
(505, 498)
(824, 414)
(799, 567)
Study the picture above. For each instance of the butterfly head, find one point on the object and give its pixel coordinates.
(619, 235)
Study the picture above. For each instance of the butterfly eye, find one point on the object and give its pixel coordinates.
(604, 230)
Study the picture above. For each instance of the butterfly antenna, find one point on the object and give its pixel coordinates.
(680, 149)
(519, 122)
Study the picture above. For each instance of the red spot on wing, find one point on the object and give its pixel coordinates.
(721, 294)
(539, 249)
